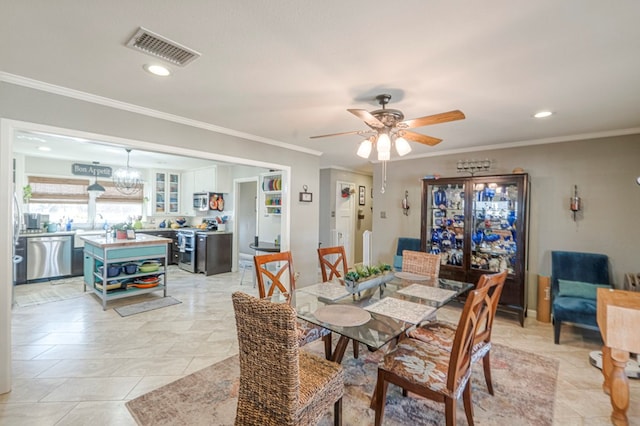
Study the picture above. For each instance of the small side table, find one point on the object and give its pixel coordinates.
(265, 247)
(618, 316)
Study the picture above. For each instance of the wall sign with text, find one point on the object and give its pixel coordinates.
(90, 170)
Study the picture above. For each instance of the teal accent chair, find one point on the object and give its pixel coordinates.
(404, 243)
(587, 268)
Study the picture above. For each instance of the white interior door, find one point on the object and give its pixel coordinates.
(345, 213)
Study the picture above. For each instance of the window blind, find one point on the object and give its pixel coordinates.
(74, 191)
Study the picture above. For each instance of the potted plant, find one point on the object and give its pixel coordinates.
(121, 230)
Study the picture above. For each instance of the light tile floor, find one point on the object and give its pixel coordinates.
(75, 364)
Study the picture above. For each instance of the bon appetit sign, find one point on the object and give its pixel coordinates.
(90, 170)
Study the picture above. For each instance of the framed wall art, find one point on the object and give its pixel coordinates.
(361, 199)
(306, 197)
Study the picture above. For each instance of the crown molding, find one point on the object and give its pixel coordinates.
(124, 106)
(520, 144)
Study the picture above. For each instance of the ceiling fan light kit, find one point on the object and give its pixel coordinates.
(402, 146)
(388, 127)
(365, 148)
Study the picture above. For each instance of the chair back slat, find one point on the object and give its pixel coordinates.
(275, 271)
(494, 284)
(333, 262)
(477, 304)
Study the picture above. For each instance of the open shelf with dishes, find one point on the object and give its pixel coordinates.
(478, 225)
(127, 271)
(271, 193)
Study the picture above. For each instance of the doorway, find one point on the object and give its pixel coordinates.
(344, 233)
(246, 213)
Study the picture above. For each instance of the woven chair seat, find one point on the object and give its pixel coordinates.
(424, 364)
(441, 334)
(317, 373)
(308, 332)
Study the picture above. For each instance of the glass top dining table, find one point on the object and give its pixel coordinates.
(378, 314)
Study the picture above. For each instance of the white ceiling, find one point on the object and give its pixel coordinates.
(288, 69)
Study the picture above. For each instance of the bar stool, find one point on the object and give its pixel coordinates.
(245, 261)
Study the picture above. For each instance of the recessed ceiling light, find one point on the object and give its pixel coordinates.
(157, 70)
(543, 114)
(44, 148)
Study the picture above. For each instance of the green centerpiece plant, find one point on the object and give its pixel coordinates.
(363, 277)
(121, 230)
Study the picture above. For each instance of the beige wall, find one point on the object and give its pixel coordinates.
(604, 170)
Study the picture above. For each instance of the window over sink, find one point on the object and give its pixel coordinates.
(63, 198)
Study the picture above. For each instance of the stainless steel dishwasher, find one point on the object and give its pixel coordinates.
(48, 257)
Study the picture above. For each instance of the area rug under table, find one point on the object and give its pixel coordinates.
(524, 384)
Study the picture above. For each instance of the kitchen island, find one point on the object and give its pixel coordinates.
(105, 258)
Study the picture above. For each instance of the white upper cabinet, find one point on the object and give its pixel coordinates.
(223, 179)
(210, 179)
(186, 193)
(204, 180)
(165, 194)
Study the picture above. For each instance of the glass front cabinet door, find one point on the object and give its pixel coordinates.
(478, 225)
(166, 193)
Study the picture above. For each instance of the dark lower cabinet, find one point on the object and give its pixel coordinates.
(172, 251)
(21, 268)
(213, 253)
(77, 261)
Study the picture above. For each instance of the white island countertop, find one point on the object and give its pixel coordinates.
(110, 242)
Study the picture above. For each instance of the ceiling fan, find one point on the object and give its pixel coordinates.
(389, 125)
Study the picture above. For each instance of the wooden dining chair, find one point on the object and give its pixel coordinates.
(274, 274)
(421, 263)
(279, 384)
(442, 333)
(333, 264)
(431, 371)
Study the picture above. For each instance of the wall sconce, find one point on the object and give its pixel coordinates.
(473, 166)
(575, 202)
(405, 203)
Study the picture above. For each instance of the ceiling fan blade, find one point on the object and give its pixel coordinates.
(355, 132)
(434, 119)
(366, 116)
(417, 137)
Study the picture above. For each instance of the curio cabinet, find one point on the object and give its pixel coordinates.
(478, 225)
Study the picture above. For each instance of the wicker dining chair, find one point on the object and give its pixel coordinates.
(274, 273)
(442, 333)
(279, 384)
(431, 371)
(333, 264)
(421, 263)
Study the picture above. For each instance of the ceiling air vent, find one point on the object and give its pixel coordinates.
(161, 47)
